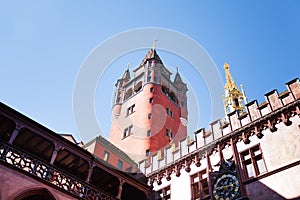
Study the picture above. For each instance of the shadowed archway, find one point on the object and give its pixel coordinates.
(35, 194)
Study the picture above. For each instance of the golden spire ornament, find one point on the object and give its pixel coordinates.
(234, 99)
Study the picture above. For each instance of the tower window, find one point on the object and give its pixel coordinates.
(148, 133)
(150, 116)
(151, 89)
(170, 112)
(151, 100)
(130, 110)
(106, 156)
(168, 132)
(173, 97)
(128, 93)
(147, 152)
(138, 86)
(127, 131)
(165, 90)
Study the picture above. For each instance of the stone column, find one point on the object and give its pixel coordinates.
(120, 189)
(238, 165)
(220, 153)
(208, 171)
(54, 154)
(91, 167)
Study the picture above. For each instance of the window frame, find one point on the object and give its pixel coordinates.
(169, 134)
(202, 179)
(147, 152)
(120, 164)
(169, 112)
(148, 133)
(249, 157)
(151, 99)
(106, 156)
(127, 131)
(130, 110)
(166, 193)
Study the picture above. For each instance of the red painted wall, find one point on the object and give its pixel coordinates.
(137, 143)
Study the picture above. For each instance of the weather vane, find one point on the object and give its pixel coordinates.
(154, 44)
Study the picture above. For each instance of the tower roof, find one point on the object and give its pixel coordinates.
(178, 81)
(126, 75)
(124, 78)
(151, 55)
(177, 78)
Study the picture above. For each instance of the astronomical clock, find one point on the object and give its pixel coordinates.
(226, 185)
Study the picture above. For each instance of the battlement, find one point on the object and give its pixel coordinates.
(234, 121)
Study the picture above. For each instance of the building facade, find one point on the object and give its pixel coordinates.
(37, 163)
(253, 154)
(149, 110)
(111, 154)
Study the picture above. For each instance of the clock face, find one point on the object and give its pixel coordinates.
(226, 187)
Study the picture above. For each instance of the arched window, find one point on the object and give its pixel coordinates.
(173, 97)
(164, 89)
(236, 102)
(128, 93)
(138, 86)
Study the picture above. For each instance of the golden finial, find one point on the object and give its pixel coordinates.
(229, 80)
(226, 66)
(128, 65)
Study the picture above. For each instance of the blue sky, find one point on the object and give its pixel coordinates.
(43, 45)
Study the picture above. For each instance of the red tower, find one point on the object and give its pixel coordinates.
(149, 110)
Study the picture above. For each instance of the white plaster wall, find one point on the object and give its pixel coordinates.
(282, 185)
(289, 184)
(180, 186)
(282, 147)
(279, 148)
(91, 147)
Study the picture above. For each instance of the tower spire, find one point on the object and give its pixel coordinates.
(154, 44)
(230, 84)
(234, 99)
